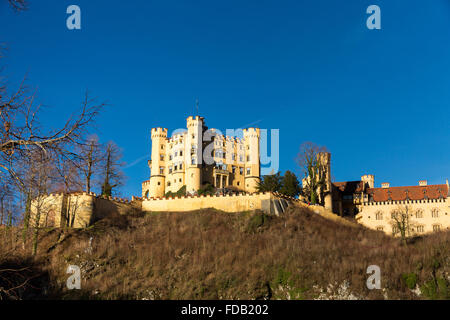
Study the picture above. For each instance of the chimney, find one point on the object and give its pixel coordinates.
(423, 183)
(385, 185)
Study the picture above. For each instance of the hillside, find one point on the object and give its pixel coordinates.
(215, 255)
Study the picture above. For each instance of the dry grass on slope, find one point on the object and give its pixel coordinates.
(215, 255)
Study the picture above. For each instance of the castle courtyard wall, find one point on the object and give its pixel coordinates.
(267, 202)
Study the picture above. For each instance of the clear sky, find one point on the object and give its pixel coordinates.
(378, 99)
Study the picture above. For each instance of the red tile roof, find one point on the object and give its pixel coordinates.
(410, 192)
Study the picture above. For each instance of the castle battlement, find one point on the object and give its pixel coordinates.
(251, 131)
(159, 132)
(268, 202)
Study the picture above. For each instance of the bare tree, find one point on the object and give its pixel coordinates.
(42, 174)
(90, 158)
(401, 223)
(68, 178)
(21, 133)
(111, 169)
(18, 5)
(313, 169)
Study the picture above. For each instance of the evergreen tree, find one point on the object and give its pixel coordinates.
(290, 185)
(271, 182)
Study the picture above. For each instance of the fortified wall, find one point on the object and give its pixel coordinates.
(80, 210)
(270, 203)
(76, 210)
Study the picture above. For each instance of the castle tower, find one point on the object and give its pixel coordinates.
(193, 153)
(325, 159)
(252, 168)
(157, 164)
(368, 179)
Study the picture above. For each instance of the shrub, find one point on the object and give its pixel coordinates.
(410, 280)
(436, 289)
(257, 221)
(181, 192)
(208, 189)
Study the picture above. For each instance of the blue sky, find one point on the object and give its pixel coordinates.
(378, 99)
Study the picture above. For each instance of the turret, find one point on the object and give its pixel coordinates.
(157, 164)
(368, 179)
(252, 164)
(193, 153)
(325, 159)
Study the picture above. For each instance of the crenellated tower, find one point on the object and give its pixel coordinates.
(157, 163)
(369, 180)
(193, 153)
(252, 164)
(324, 158)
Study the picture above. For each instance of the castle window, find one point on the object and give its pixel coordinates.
(180, 179)
(181, 153)
(168, 184)
(170, 157)
(420, 228)
(233, 169)
(435, 213)
(159, 183)
(248, 158)
(380, 228)
(162, 146)
(181, 166)
(436, 227)
(233, 157)
(238, 183)
(248, 147)
(419, 213)
(248, 170)
(379, 215)
(193, 161)
(241, 170)
(176, 153)
(161, 157)
(241, 158)
(161, 170)
(170, 169)
(394, 229)
(175, 168)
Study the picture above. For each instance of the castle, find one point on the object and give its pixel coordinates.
(428, 205)
(200, 156)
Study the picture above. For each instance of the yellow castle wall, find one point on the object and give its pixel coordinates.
(368, 215)
(227, 203)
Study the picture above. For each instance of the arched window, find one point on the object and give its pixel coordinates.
(435, 213)
(379, 215)
(419, 213)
